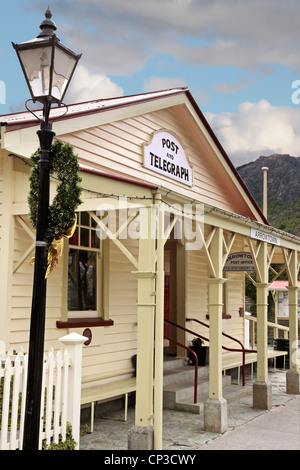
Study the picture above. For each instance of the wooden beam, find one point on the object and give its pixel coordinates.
(115, 240)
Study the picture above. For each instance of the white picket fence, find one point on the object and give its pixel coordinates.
(60, 400)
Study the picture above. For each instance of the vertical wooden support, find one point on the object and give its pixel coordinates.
(293, 375)
(159, 331)
(262, 390)
(145, 314)
(276, 303)
(262, 312)
(262, 260)
(293, 326)
(7, 240)
(215, 306)
(215, 408)
(292, 270)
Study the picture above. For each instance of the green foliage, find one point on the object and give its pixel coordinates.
(10, 403)
(68, 444)
(65, 168)
(283, 189)
(197, 342)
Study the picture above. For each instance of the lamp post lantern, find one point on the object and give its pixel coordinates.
(48, 67)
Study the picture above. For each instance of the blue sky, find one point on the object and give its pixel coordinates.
(239, 59)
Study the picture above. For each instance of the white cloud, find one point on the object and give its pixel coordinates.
(126, 34)
(257, 129)
(228, 88)
(86, 86)
(163, 83)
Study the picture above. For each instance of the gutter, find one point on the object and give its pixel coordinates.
(119, 178)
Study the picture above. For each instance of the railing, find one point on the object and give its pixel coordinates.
(12, 383)
(60, 395)
(196, 364)
(242, 350)
(275, 326)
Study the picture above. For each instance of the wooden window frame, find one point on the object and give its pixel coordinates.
(100, 316)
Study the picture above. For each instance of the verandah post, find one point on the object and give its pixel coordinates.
(292, 375)
(215, 408)
(140, 437)
(262, 389)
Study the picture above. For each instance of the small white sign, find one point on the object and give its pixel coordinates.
(241, 261)
(165, 155)
(265, 237)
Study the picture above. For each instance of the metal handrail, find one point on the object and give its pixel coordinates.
(243, 350)
(196, 365)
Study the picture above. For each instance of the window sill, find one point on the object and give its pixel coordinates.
(83, 322)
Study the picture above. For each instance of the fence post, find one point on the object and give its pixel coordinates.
(73, 343)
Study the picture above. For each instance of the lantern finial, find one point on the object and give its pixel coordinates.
(47, 26)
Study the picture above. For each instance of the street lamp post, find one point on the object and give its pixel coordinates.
(48, 67)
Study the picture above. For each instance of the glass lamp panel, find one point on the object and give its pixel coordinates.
(36, 64)
(64, 64)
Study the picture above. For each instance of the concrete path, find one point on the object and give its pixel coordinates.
(248, 428)
(278, 429)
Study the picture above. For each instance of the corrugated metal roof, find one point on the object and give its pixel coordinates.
(280, 285)
(26, 118)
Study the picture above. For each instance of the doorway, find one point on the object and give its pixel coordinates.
(174, 301)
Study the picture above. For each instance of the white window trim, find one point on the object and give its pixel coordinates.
(98, 313)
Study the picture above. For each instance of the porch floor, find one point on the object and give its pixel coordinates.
(185, 431)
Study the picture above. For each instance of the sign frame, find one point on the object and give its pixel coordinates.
(265, 237)
(165, 155)
(239, 261)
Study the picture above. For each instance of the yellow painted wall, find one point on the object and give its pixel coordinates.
(197, 297)
(112, 347)
(117, 148)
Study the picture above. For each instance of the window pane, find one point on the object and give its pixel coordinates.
(84, 237)
(95, 240)
(85, 219)
(82, 280)
(74, 239)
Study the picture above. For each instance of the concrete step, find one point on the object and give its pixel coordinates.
(178, 383)
(231, 393)
(171, 362)
(186, 374)
(183, 391)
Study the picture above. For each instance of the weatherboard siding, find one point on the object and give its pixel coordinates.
(110, 353)
(117, 148)
(197, 297)
(109, 356)
(1, 198)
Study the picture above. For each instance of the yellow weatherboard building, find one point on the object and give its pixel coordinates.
(163, 209)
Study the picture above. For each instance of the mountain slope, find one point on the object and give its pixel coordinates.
(283, 189)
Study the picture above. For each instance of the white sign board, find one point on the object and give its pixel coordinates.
(241, 261)
(265, 237)
(165, 155)
(283, 304)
